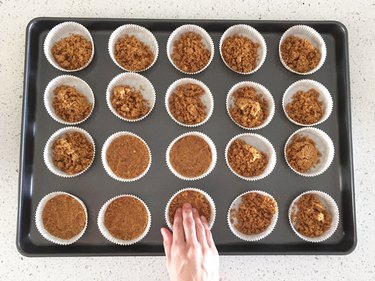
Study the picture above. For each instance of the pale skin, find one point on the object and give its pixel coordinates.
(190, 251)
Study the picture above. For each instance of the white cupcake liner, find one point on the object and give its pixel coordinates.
(104, 158)
(323, 143)
(213, 154)
(68, 80)
(260, 89)
(61, 31)
(39, 220)
(260, 143)
(136, 81)
(207, 99)
(104, 231)
(329, 203)
(210, 221)
(251, 33)
(47, 153)
(141, 33)
(310, 34)
(252, 237)
(206, 39)
(305, 85)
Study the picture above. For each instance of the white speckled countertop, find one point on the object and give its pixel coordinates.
(358, 16)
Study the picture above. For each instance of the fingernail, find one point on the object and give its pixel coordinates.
(187, 205)
(178, 210)
(195, 211)
(203, 218)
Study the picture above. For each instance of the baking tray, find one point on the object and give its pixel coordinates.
(95, 187)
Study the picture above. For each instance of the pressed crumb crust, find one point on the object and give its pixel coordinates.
(64, 217)
(128, 157)
(126, 218)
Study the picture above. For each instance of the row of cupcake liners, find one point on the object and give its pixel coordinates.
(141, 83)
(328, 202)
(322, 141)
(65, 29)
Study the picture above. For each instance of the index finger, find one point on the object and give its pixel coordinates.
(178, 232)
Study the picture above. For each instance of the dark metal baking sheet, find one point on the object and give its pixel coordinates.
(95, 187)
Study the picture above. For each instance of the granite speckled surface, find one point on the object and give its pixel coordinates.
(358, 16)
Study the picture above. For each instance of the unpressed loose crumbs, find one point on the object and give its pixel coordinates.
(64, 217)
(196, 199)
(190, 156)
(305, 107)
(126, 218)
(128, 157)
(129, 102)
(189, 52)
(240, 53)
(249, 109)
(185, 104)
(72, 153)
(132, 54)
(299, 54)
(70, 105)
(246, 160)
(254, 214)
(311, 218)
(72, 52)
(302, 153)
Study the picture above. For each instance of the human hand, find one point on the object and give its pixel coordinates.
(191, 252)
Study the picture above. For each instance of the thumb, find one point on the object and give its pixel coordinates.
(167, 242)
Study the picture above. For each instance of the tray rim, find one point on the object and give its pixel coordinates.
(20, 245)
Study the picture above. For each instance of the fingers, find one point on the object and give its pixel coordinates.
(167, 242)
(210, 240)
(199, 228)
(189, 224)
(178, 231)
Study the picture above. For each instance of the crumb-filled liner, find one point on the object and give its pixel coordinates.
(48, 153)
(108, 169)
(210, 221)
(305, 85)
(67, 80)
(141, 33)
(213, 154)
(207, 99)
(329, 203)
(260, 143)
(136, 81)
(260, 89)
(251, 237)
(250, 33)
(206, 39)
(310, 34)
(62, 31)
(323, 143)
(105, 232)
(39, 219)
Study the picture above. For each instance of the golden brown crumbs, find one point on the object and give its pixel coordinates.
(70, 105)
(249, 109)
(299, 54)
(246, 160)
(126, 218)
(186, 105)
(302, 153)
(189, 53)
(129, 102)
(240, 53)
(64, 217)
(72, 153)
(128, 157)
(72, 52)
(311, 218)
(132, 54)
(254, 214)
(196, 199)
(305, 107)
(190, 156)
